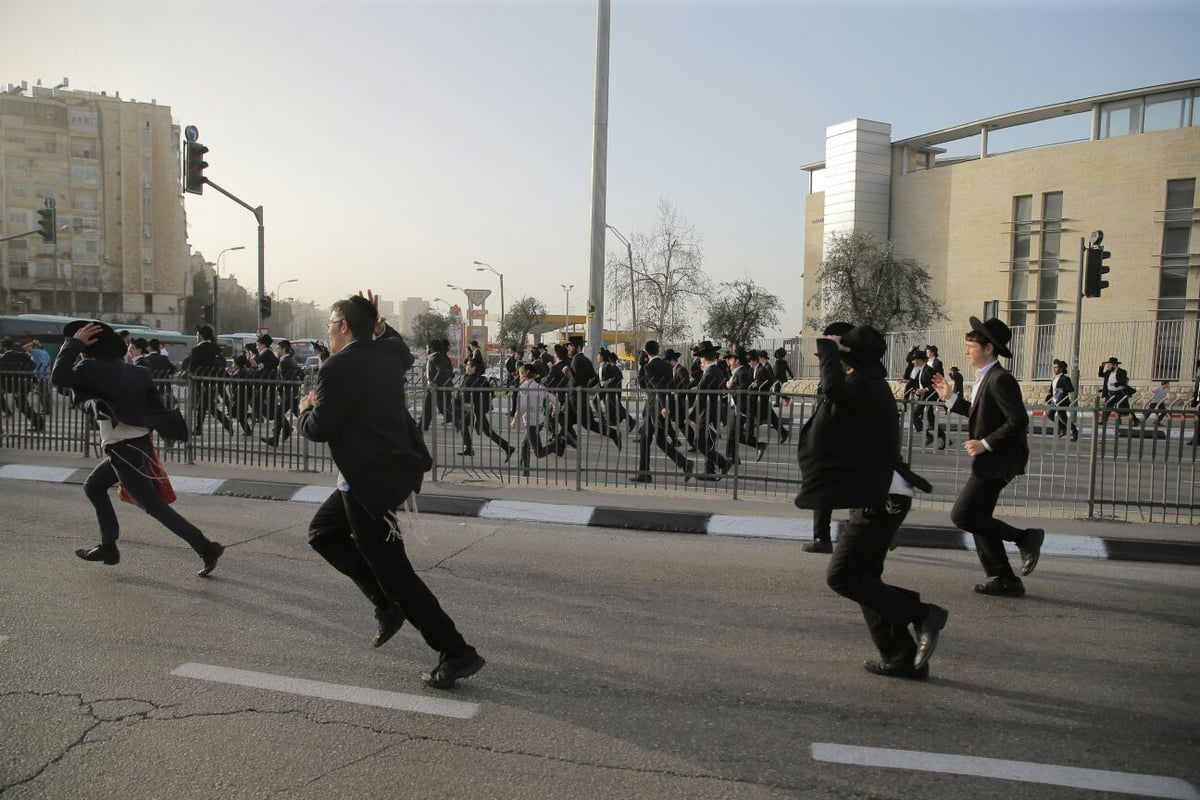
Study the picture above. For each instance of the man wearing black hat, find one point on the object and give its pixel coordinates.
(17, 379)
(439, 374)
(823, 515)
(999, 450)
(919, 389)
(849, 458)
(657, 375)
(743, 426)
(127, 407)
(1059, 396)
(582, 377)
(707, 407)
(1116, 389)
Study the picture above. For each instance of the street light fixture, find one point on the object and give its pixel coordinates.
(480, 266)
(567, 313)
(216, 303)
(632, 291)
(280, 286)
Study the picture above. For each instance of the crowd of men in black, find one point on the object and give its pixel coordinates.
(690, 402)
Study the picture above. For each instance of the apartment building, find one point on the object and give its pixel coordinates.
(1000, 231)
(112, 168)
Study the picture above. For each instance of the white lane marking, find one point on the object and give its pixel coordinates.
(1099, 780)
(312, 494)
(190, 485)
(3, 639)
(536, 512)
(28, 472)
(329, 691)
(766, 527)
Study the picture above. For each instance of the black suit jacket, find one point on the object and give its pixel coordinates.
(998, 415)
(850, 446)
(127, 392)
(708, 405)
(362, 413)
(1122, 382)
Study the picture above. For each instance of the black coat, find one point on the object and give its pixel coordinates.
(850, 446)
(362, 413)
(206, 359)
(998, 415)
(581, 372)
(1122, 382)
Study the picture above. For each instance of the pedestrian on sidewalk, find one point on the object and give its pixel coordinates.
(999, 449)
(849, 457)
(127, 406)
(359, 408)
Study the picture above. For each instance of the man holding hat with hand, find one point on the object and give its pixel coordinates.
(849, 458)
(999, 450)
(127, 406)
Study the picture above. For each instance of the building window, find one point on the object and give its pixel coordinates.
(1121, 118)
(16, 190)
(1165, 112)
(1048, 274)
(1173, 279)
(18, 269)
(1018, 288)
(85, 174)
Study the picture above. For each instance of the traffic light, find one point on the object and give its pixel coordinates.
(47, 223)
(193, 168)
(206, 314)
(1094, 269)
(264, 306)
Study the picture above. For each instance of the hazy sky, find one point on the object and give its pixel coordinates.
(393, 143)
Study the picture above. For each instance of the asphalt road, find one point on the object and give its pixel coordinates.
(620, 665)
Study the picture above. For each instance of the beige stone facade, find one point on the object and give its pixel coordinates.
(112, 167)
(962, 218)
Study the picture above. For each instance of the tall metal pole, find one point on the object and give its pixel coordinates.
(595, 303)
(632, 290)
(262, 263)
(1078, 326)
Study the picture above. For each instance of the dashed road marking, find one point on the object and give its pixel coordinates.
(329, 691)
(1098, 780)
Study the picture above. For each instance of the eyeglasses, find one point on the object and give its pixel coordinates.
(337, 321)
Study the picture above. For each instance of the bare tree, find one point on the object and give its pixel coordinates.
(430, 325)
(863, 280)
(742, 312)
(668, 276)
(520, 319)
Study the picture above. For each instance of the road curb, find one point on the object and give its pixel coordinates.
(683, 522)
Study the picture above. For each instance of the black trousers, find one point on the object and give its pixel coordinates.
(972, 513)
(658, 430)
(823, 524)
(368, 552)
(855, 572)
(1061, 413)
(706, 443)
(127, 463)
(472, 418)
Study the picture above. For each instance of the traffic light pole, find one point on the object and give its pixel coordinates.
(19, 235)
(262, 264)
(1078, 326)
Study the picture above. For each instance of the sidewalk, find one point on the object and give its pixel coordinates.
(640, 509)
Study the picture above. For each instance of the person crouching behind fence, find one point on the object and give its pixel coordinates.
(127, 407)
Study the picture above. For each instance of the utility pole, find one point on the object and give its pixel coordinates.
(595, 298)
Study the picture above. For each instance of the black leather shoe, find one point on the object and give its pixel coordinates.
(784, 435)
(449, 670)
(928, 439)
(109, 555)
(210, 560)
(508, 454)
(467, 453)
(928, 630)
(390, 621)
(269, 441)
(1031, 549)
(818, 546)
(761, 447)
(689, 471)
(1002, 587)
(897, 669)
(641, 478)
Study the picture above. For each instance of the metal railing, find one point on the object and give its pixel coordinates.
(1130, 465)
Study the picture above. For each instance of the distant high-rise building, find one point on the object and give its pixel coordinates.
(410, 309)
(112, 168)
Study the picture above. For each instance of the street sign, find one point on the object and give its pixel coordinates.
(477, 296)
(191, 133)
(48, 202)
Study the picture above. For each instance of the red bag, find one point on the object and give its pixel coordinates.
(158, 476)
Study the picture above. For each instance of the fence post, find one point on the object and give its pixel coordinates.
(579, 438)
(1092, 457)
(189, 452)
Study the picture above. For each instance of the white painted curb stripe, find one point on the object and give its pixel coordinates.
(187, 485)
(26, 472)
(765, 527)
(536, 512)
(312, 494)
(1098, 780)
(1090, 546)
(329, 691)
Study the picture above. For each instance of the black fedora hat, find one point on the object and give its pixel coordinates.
(995, 332)
(866, 346)
(706, 349)
(576, 339)
(1112, 360)
(108, 345)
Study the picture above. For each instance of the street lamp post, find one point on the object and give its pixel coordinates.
(275, 296)
(632, 291)
(216, 303)
(480, 267)
(567, 314)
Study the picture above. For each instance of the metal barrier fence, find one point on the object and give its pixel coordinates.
(1135, 466)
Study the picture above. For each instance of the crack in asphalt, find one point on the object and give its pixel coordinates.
(150, 714)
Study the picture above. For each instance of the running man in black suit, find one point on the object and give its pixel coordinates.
(359, 408)
(999, 450)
